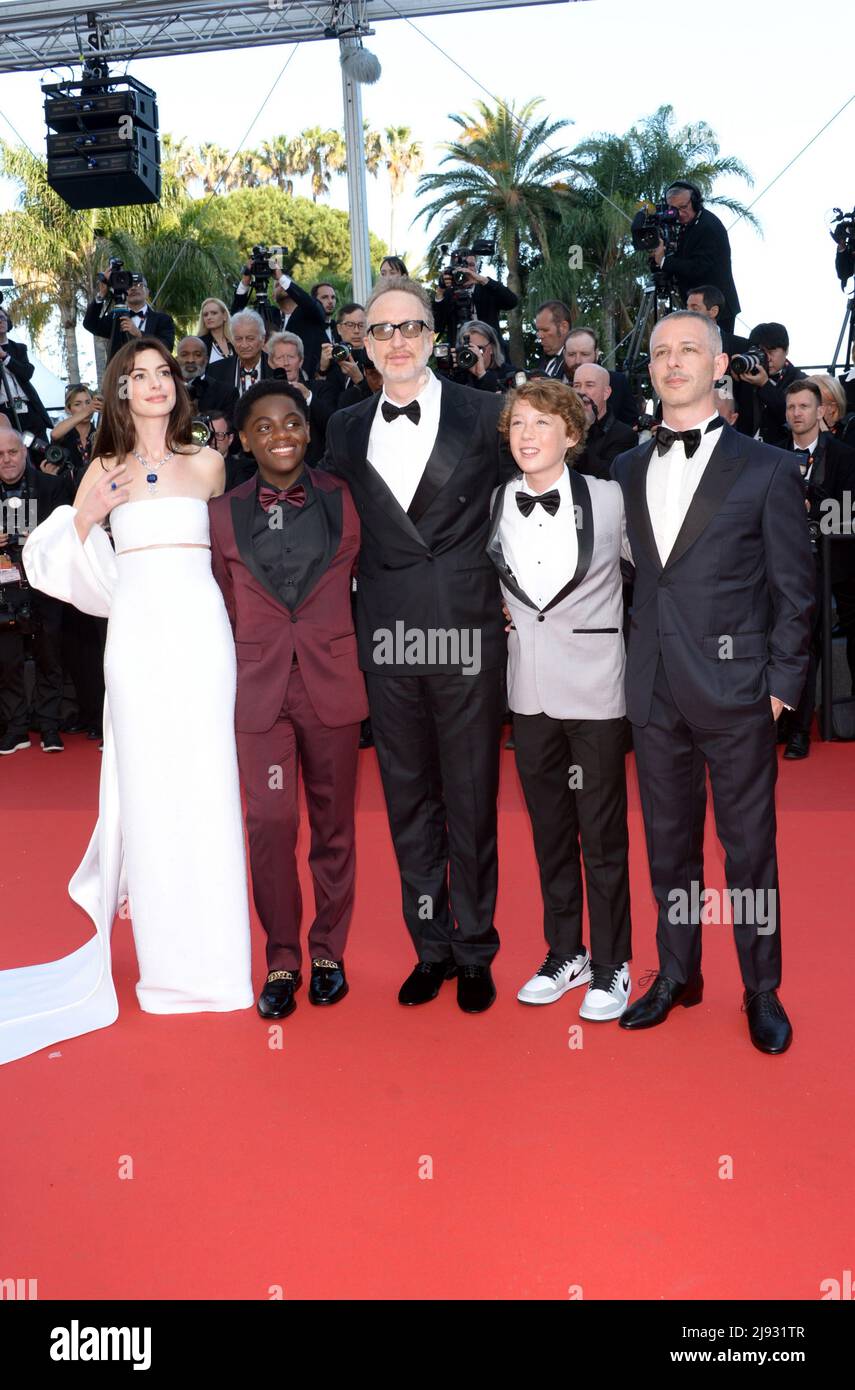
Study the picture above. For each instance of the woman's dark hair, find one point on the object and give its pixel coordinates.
(268, 387)
(116, 435)
(396, 263)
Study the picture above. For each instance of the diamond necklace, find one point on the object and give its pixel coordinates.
(151, 477)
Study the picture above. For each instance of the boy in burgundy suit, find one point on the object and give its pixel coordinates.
(283, 550)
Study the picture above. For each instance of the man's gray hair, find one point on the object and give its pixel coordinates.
(478, 326)
(191, 338)
(7, 429)
(401, 284)
(248, 316)
(276, 338)
(711, 327)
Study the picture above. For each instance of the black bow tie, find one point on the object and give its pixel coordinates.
(691, 438)
(413, 411)
(550, 501)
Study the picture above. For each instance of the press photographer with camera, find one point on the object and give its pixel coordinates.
(344, 373)
(764, 365)
(27, 497)
(477, 360)
(698, 252)
(120, 310)
(19, 400)
(828, 472)
(294, 309)
(75, 433)
(464, 293)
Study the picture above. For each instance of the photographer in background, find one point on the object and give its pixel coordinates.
(836, 417)
(120, 322)
(828, 472)
(294, 309)
(477, 360)
(769, 373)
(709, 301)
(607, 437)
(464, 293)
(702, 251)
(552, 324)
(27, 497)
(19, 400)
(76, 432)
(581, 345)
(341, 376)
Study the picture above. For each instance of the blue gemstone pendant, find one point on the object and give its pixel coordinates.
(151, 478)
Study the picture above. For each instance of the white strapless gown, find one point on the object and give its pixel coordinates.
(169, 836)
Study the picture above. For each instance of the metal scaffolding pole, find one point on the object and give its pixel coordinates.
(357, 195)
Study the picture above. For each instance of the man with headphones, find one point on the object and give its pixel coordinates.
(702, 253)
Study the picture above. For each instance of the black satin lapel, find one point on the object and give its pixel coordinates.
(725, 464)
(497, 554)
(358, 428)
(331, 511)
(637, 513)
(454, 433)
(243, 512)
(584, 511)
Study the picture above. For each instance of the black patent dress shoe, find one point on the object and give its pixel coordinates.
(366, 737)
(770, 1029)
(798, 745)
(475, 988)
(327, 984)
(426, 981)
(654, 1006)
(277, 1000)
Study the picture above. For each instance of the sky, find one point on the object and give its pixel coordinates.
(765, 80)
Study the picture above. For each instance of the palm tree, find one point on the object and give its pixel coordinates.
(320, 154)
(614, 174)
(214, 163)
(276, 160)
(502, 184)
(402, 156)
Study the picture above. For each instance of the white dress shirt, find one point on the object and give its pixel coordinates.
(399, 449)
(811, 450)
(672, 481)
(541, 550)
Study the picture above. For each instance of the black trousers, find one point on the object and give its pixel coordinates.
(47, 691)
(437, 742)
(83, 638)
(573, 777)
(671, 755)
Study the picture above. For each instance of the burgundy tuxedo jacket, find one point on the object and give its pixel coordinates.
(268, 633)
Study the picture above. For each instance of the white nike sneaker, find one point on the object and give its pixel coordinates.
(555, 977)
(608, 993)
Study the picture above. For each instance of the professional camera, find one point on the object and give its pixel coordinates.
(652, 224)
(42, 451)
(15, 611)
(261, 270)
(202, 431)
(341, 352)
(119, 281)
(749, 361)
(843, 233)
(466, 356)
(457, 267)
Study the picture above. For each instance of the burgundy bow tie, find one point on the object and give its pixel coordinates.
(270, 497)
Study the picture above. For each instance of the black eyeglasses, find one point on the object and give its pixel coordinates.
(223, 434)
(410, 328)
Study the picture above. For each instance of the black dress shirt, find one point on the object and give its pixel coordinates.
(290, 543)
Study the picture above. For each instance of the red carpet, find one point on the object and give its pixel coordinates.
(552, 1167)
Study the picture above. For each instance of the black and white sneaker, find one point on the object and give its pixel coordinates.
(555, 977)
(10, 743)
(52, 743)
(608, 993)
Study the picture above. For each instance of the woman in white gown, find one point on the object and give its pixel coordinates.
(169, 837)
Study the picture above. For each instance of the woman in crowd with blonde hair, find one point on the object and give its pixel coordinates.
(215, 330)
(835, 413)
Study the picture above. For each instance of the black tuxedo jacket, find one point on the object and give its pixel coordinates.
(21, 369)
(702, 257)
(730, 611)
(606, 439)
(211, 397)
(426, 568)
(106, 325)
(308, 321)
(831, 478)
(487, 303)
(226, 373)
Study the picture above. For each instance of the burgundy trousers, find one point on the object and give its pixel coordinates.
(270, 764)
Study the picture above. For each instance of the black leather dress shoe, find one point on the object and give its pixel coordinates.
(426, 981)
(798, 746)
(475, 988)
(654, 1006)
(277, 1000)
(327, 984)
(770, 1029)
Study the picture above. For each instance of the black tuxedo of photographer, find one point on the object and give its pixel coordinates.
(828, 472)
(138, 319)
(334, 389)
(702, 253)
(487, 300)
(16, 371)
(766, 411)
(45, 492)
(307, 319)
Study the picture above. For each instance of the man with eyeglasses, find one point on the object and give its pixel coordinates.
(702, 253)
(422, 458)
